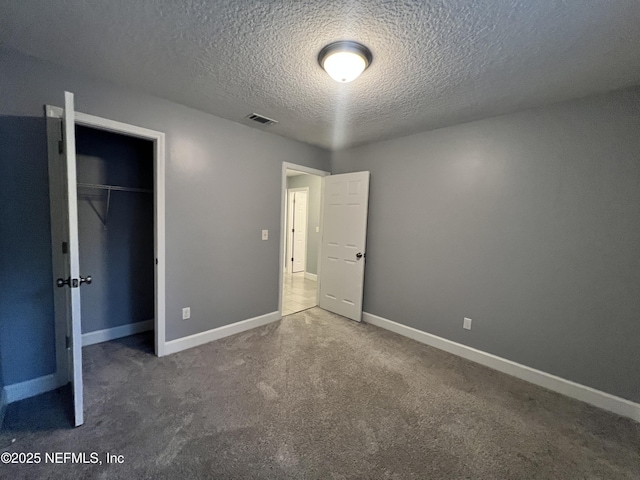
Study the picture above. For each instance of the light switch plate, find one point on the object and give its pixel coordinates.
(265, 234)
(317, 229)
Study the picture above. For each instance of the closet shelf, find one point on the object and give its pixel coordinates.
(109, 189)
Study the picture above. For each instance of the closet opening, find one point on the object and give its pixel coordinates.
(115, 185)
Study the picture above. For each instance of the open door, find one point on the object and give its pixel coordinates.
(64, 194)
(344, 219)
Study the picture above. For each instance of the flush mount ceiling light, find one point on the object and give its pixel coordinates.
(345, 60)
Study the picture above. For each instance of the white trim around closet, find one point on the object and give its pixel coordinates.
(158, 139)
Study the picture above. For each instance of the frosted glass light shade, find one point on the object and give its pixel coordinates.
(344, 61)
(344, 67)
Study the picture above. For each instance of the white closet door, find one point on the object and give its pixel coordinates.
(71, 281)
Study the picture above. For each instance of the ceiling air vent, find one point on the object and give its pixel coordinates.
(260, 119)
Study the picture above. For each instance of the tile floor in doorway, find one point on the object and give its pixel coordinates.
(298, 293)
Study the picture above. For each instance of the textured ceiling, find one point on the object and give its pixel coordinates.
(436, 62)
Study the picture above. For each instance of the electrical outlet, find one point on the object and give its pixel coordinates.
(265, 234)
(186, 313)
(317, 229)
(467, 323)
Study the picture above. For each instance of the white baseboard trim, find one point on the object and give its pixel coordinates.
(107, 334)
(311, 276)
(197, 339)
(31, 388)
(3, 405)
(606, 401)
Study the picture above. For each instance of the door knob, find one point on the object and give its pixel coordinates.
(73, 282)
(359, 255)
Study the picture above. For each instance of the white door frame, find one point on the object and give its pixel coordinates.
(283, 220)
(158, 139)
(290, 218)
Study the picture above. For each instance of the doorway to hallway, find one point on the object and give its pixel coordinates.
(301, 238)
(340, 239)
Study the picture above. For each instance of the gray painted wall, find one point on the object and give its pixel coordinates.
(313, 238)
(120, 257)
(3, 404)
(527, 223)
(211, 242)
(26, 279)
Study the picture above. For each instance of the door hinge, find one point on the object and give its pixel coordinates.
(67, 342)
(61, 141)
(65, 248)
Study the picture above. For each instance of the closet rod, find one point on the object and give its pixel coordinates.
(109, 189)
(114, 187)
